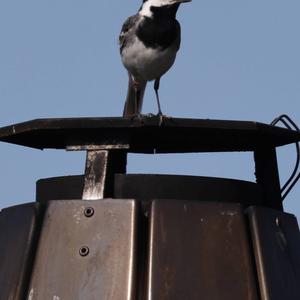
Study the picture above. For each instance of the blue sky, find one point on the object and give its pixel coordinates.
(238, 60)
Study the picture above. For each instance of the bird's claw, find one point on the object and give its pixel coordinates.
(162, 117)
(149, 115)
(134, 117)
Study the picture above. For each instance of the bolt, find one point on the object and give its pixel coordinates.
(84, 251)
(89, 212)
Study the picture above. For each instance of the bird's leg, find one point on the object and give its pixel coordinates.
(156, 87)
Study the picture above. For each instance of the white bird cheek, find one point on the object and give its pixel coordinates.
(146, 8)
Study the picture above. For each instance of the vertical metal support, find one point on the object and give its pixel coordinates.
(267, 177)
(101, 166)
(95, 174)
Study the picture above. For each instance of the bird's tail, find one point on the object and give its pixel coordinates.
(134, 99)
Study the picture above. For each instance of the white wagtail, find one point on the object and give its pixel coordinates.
(149, 42)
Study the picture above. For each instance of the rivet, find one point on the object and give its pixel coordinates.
(84, 251)
(89, 212)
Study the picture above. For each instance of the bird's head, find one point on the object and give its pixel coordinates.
(148, 4)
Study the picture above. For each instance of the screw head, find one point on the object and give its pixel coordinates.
(84, 251)
(89, 212)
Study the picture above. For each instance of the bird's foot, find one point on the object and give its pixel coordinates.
(162, 118)
(134, 117)
(149, 115)
(142, 117)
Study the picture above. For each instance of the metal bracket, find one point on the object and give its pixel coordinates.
(101, 167)
(267, 176)
(97, 147)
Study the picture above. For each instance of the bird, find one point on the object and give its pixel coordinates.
(149, 42)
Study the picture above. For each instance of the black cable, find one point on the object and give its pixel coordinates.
(280, 119)
(291, 186)
(290, 183)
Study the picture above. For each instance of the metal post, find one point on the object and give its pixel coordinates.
(267, 176)
(101, 167)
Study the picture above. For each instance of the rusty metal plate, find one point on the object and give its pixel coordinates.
(199, 250)
(276, 241)
(17, 228)
(86, 251)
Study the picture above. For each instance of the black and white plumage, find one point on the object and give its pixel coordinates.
(149, 42)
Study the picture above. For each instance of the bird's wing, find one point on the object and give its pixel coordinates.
(129, 24)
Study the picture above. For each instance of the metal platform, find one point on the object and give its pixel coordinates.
(147, 135)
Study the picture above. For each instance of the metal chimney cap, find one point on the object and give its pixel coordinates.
(147, 135)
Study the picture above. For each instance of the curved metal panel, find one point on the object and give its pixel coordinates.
(17, 228)
(198, 251)
(276, 241)
(86, 251)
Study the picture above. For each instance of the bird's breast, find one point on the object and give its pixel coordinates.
(147, 63)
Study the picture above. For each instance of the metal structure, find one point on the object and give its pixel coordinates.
(111, 235)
